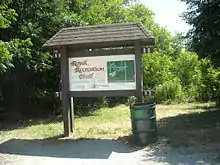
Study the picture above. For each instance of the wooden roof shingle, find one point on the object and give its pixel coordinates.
(122, 32)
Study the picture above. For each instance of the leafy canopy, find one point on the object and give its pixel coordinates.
(204, 36)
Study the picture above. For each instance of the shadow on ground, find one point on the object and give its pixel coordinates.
(195, 129)
(6, 125)
(12, 125)
(187, 139)
(67, 148)
(204, 107)
(166, 155)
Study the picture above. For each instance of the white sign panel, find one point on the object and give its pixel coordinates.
(102, 73)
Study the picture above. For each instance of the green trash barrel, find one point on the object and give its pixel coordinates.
(144, 125)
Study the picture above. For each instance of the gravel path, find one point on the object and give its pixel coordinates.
(97, 152)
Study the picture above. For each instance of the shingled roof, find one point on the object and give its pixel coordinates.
(101, 34)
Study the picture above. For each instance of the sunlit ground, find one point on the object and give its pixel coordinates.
(181, 125)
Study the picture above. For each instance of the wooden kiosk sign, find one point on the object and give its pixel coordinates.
(103, 60)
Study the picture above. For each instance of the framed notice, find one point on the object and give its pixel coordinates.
(98, 73)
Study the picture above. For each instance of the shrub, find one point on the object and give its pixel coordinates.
(170, 91)
(157, 69)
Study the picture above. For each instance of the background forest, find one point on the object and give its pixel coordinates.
(181, 68)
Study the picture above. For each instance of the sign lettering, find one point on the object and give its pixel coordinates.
(102, 73)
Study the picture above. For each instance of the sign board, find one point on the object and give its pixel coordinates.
(102, 73)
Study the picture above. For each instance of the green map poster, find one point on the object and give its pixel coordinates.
(121, 71)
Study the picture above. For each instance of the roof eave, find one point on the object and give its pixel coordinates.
(144, 42)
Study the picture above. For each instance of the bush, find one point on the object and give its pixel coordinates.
(184, 77)
(84, 106)
(170, 91)
(210, 80)
(157, 69)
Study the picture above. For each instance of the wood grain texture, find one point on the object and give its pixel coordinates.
(102, 93)
(139, 76)
(101, 33)
(101, 52)
(67, 116)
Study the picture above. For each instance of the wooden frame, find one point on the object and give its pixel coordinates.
(66, 53)
(101, 52)
(103, 46)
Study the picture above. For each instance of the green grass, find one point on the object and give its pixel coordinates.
(190, 125)
(104, 123)
(181, 125)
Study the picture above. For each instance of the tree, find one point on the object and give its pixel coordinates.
(178, 44)
(157, 69)
(6, 16)
(29, 79)
(96, 12)
(29, 76)
(203, 17)
(141, 13)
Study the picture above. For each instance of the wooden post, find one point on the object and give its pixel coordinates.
(67, 119)
(72, 114)
(139, 72)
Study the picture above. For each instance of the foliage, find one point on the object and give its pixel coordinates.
(29, 76)
(170, 91)
(6, 15)
(13, 51)
(115, 122)
(180, 78)
(5, 55)
(204, 39)
(187, 68)
(178, 44)
(141, 13)
(157, 69)
(210, 80)
(95, 12)
(203, 16)
(27, 67)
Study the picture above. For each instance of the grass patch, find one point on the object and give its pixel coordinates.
(182, 125)
(190, 125)
(103, 123)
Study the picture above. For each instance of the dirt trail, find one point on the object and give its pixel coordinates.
(83, 152)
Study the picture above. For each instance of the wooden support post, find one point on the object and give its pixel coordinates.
(67, 119)
(139, 72)
(72, 114)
